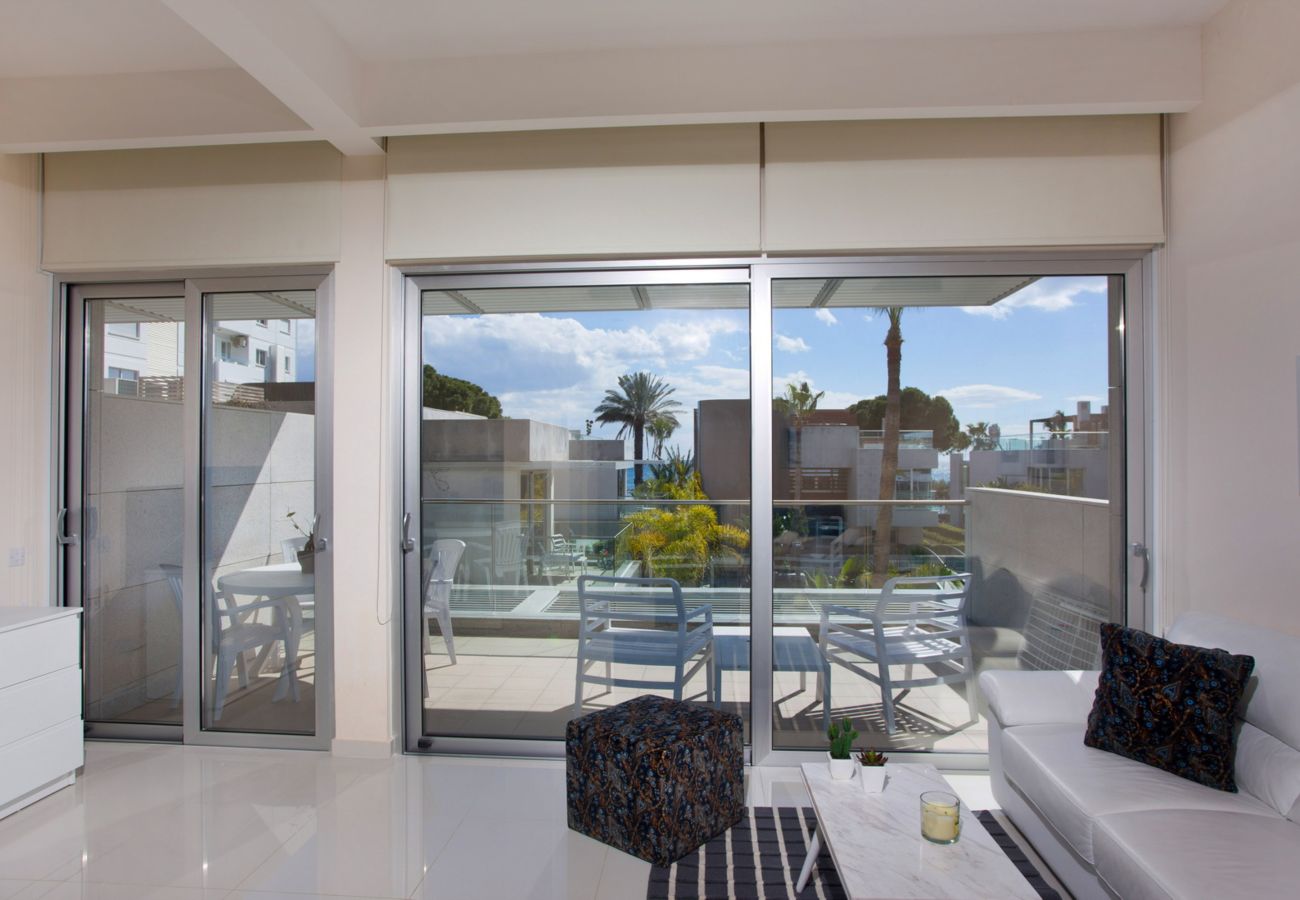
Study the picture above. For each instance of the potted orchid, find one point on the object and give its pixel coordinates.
(840, 755)
(307, 553)
(872, 771)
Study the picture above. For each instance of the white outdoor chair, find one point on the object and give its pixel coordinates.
(444, 559)
(173, 575)
(506, 564)
(604, 601)
(234, 634)
(563, 555)
(905, 628)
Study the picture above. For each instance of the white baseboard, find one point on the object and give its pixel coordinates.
(364, 749)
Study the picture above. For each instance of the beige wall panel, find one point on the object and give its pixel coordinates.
(952, 183)
(1228, 502)
(566, 193)
(25, 402)
(242, 205)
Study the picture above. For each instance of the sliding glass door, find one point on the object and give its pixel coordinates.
(570, 516)
(939, 455)
(196, 521)
(948, 493)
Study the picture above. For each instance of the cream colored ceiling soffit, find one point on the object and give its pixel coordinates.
(90, 75)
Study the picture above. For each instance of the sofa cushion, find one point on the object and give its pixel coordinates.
(1189, 854)
(1169, 705)
(1071, 784)
(1037, 698)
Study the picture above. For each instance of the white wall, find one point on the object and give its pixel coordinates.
(25, 400)
(366, 430)
(192, 206)
(574, 193)
(1230, 333)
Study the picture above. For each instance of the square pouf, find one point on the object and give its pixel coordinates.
(655, 777)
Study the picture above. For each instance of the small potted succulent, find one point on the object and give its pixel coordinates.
(871, 769)
(307, 553)
(840, 760)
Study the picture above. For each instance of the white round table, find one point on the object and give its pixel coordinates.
(285, 582)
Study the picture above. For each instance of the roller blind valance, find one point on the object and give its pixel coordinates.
(954, 183)
(588, 192)
(192, 206)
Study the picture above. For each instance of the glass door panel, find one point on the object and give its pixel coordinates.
(961, 432)
(569, 434)
(260, 518)
(131, 523)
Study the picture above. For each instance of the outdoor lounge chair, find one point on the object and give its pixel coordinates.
(923, 624)
(608, 605)
(444, 559)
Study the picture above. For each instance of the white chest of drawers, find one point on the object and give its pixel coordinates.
(41, 737)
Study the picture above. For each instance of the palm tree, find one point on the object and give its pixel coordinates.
(889, 459)
(982, 436)
(641, 399)
(797, 403)
(660, 430)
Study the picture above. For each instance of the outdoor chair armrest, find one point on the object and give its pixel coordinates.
(704, 608)
(864, 614)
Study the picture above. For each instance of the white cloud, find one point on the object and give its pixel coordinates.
(787, 344)
(986, 396)
(825, 316)
(1045, 295)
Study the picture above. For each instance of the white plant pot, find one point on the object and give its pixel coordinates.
(873, 778)
(841, 769)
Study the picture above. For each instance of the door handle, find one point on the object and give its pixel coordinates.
(60, 530)
(1139, 551)
(408, 542)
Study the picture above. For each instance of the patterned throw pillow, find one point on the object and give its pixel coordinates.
(1169, 705)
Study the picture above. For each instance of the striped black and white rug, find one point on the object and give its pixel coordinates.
(759, 859)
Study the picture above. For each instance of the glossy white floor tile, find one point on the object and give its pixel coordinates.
(152, 822)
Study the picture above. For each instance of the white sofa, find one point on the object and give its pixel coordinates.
(1111, 827)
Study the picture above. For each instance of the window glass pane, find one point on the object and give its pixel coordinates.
(259, 503)
(571, 434)
(979, 408)
(133, 521)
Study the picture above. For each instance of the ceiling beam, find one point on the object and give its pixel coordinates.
(296, 56)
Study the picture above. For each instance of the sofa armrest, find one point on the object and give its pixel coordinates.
(1035, 698)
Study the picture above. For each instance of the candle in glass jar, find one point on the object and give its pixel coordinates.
(940, 817)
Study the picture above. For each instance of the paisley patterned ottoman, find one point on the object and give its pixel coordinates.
(655, 777)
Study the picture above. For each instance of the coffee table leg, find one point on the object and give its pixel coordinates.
(814, 847)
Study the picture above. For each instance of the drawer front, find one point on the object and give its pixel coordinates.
(37, 650)
(32, 706)
(40, 759)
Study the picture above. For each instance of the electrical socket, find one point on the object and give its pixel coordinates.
(17, 556)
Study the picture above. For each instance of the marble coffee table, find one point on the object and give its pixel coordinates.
(875, 841)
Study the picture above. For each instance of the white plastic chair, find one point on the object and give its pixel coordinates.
(507, 562)
(605, 600)
(234, 634)
(444, 559)
(563, 555)
(905, 628)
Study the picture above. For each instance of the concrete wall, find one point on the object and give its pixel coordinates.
(261, 468)
(25, 401)
(1229, 330)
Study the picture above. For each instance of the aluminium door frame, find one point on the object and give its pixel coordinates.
(73, 343)
(1129, 263)
(70, 348)
(196, 368)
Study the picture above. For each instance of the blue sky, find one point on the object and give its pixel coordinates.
(1035, 352)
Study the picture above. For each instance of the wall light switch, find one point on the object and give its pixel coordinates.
(17, 556)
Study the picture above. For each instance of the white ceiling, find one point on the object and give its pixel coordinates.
(99, 74)
(416, 29)
(98, 37)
